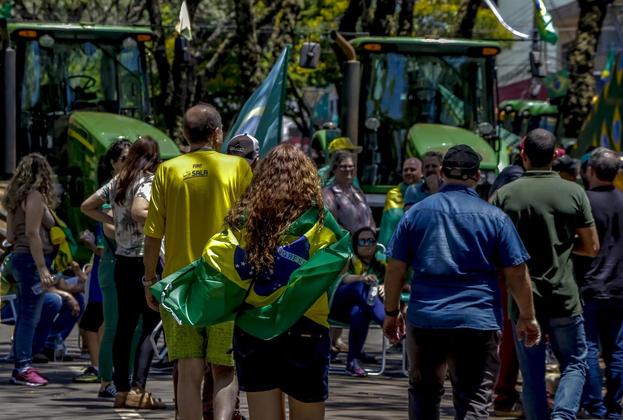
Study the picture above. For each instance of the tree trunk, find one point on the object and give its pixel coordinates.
(162, 64)
(467, 16)
(577, 104)
(249, 50)
(384, 22)
(351, 16)
(405, 18)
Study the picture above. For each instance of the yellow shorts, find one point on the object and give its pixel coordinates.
(214, 343)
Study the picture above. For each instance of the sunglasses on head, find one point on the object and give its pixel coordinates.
(366, 242)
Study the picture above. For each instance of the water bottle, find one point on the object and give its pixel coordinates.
(59, 349)
(373, 293)
(37, 288)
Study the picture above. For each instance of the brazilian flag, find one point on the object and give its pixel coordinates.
(392, 213)
(545, 23)
(222, 286)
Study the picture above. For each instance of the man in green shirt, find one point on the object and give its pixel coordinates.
(554, 220)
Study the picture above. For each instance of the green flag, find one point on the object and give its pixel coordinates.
(545, 23)
(392, 213)
(221, 285)
(262, 113)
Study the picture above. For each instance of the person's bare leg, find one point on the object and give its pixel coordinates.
(92, 341)
(207, 394)
(225, 391)
(265, 405)
(305, 411)
(190, 375)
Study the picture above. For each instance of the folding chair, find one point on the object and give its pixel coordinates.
(154, 337)
(370, 372)
(10, 299)
(404, 298)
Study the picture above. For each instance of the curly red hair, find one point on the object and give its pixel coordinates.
(285, 185)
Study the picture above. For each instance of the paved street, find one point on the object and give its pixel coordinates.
(351, 398)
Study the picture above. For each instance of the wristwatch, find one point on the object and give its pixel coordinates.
(153, 280)
(393, 313)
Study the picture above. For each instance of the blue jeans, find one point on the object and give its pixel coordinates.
(350, 306)
(52, 304)
(26, 275)
(566, 336)
(604, 329)
(56, 321)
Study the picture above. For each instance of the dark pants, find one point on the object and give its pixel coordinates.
(603, 322)
(470, 356)
(131, 304)
(56, 321)
(351, 307)
(506, 394)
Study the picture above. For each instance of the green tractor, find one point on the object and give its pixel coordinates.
(403, 97)
(70, 90)
(518, 116)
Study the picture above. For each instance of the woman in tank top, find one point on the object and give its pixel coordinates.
(29, 199)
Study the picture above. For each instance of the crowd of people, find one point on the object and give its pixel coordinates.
(495, 285)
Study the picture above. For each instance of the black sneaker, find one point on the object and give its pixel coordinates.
(89, 376)
(108, 392)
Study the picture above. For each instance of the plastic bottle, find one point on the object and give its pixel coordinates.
(37, 288)
(59, 349)
(373, 293)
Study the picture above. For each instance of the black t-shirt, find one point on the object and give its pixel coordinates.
(602, 277)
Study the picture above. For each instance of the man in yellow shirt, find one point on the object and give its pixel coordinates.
(191, 194)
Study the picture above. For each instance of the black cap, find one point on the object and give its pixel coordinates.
(565, 164)
(461, 162)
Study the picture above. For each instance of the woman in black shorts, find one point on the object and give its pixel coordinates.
(295, 363)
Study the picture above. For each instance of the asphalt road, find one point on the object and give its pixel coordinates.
(380, 397)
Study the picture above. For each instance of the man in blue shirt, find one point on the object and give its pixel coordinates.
(456, 243)
(431, 167)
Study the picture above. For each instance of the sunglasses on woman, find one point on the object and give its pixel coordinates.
(366, 242)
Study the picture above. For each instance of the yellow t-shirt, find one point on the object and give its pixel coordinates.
(190, 197)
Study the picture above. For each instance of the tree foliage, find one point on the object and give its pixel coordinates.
(235, 42)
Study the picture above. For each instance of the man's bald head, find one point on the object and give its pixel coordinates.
(201, 123)
(412, 170)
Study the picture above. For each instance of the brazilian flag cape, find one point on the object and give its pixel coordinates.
(392, 213)
(63, 239)
(221, 286)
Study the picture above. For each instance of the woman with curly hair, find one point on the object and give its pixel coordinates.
(29, 200)
(296, 362)
(129, 193)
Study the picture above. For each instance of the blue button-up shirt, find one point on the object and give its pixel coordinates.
(455, 241)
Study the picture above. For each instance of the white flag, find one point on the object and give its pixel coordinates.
(183, 26)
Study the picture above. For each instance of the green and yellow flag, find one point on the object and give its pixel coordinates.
(222, 286)
(262, 113)
(545, 23)
(392, 213)
(63, 239)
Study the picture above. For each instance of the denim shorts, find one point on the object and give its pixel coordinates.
(296, 362)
